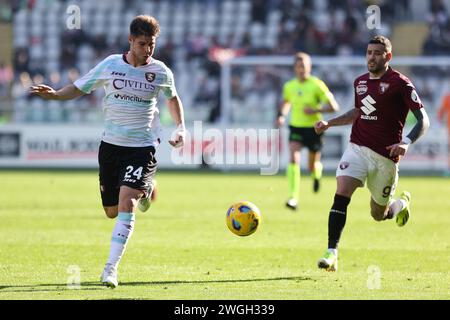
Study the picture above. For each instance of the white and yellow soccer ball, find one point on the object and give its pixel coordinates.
(243, 218)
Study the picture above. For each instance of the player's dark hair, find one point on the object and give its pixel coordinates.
(382, 40)
(144, 26)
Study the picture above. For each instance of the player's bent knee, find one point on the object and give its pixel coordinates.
(378, 211)
(111, 212)
(377, 215)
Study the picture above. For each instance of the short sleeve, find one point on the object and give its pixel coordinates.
(168, 85)
(409, 95)
(324, 94)
(286, 92)
(95, 78)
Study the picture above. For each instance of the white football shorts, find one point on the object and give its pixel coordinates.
(364, 164)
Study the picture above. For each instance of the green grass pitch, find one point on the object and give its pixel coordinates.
(182, 248)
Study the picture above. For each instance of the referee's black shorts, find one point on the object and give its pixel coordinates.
(307, 137)
(124, 166)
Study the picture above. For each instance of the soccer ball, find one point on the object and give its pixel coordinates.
(243, 218)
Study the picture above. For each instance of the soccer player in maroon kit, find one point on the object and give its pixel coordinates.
(383, 97)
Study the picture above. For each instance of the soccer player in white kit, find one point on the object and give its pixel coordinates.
(127, 164)
(383, 97)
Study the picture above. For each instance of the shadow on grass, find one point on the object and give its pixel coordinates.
(51, 287)
(54, 287)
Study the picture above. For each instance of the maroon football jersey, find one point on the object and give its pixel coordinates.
(383, 105)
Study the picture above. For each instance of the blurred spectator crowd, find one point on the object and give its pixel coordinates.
(196, 37)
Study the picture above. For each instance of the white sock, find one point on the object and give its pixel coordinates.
(121, 234)
(333, 251)
(395, 206)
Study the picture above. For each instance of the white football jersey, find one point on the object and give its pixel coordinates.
(129, 105)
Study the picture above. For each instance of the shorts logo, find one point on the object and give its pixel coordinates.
(361, 89)
(344, 165)
(383, 87)
(150, 76)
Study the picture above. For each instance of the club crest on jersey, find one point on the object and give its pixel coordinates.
(150, 76)
(383, 87)
(361, 89)
(343, 165)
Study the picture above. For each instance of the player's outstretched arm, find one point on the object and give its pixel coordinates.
(67, 93)
(419, 129)
(177, 112)
(342, 120)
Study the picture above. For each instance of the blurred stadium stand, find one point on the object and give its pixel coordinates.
(196, 36)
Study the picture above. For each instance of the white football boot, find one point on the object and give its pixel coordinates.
(144, 203)
(109, 276)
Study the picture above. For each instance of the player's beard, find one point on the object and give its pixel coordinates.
(375, 68)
